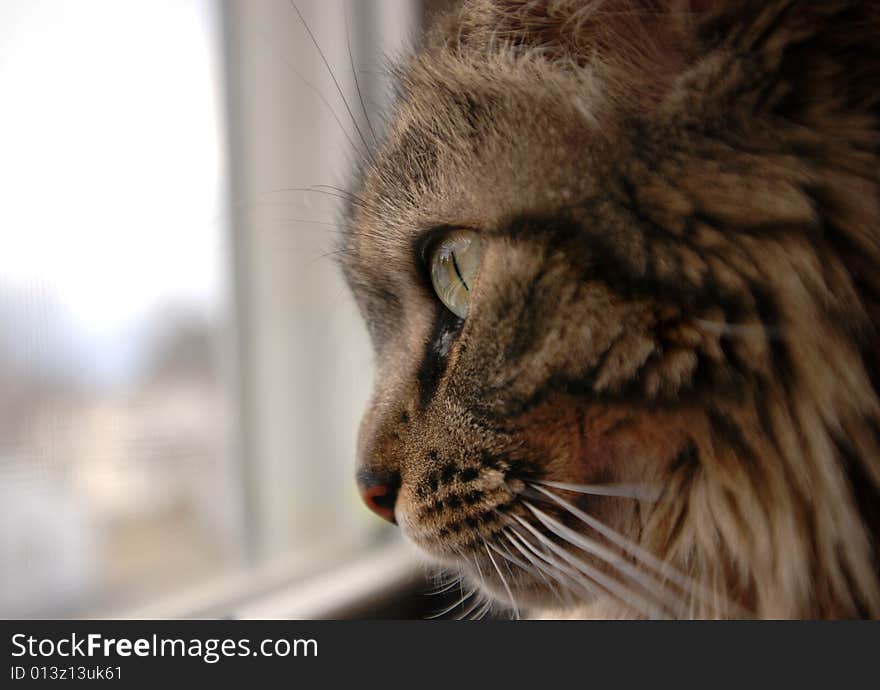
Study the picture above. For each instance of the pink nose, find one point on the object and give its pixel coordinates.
(380, 498)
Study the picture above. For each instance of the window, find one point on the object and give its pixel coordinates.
(181, 367)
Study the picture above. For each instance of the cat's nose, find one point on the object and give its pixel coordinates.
(379, 491)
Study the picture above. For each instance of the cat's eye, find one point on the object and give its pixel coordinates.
(454, 261)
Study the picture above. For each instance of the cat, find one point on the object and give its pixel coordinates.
(620, 265)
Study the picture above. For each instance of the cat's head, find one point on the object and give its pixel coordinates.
(619, 263)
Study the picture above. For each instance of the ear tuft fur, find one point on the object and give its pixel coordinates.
(637, 46)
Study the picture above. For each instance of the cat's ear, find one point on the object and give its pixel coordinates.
(791, 53)
(571, 30)
(810, 62)
(638, 46)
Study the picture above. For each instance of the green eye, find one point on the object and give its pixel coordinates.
(454, 263)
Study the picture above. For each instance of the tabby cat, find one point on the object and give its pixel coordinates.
(620, 264)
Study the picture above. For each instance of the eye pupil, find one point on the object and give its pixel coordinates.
(454, 262)
(458, 273)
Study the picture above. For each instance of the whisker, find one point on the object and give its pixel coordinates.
(453, 606)
(569, 579)
(443, 588)
(311, 190)
(613, 587)
(618, 539)
(503, 581)
(541, 567)
(327, 190)
(530, 569)
(558, 570)
(348, 194)
(327, 255)
(479, 615)
(354, 73)
(480, 572)
(661, 568)
(645, 580)
(470, 609)
(513, 559)
(642, 493)
(318, 93)
(308, 221)
(335, 82)
(506, 560)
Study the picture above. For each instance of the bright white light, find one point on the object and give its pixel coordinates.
(110, 155)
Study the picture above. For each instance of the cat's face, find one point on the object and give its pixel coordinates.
(644, 307)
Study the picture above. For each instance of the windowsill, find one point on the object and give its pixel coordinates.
(295, 589)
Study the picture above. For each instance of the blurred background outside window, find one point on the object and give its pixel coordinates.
(182, 369)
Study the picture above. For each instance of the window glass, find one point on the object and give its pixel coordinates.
(182, 369)
(115, 477)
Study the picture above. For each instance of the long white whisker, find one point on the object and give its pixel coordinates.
(561, 569)
(513, 559)
(479, 615)
(661, 568)
(569, 578)
(503, 581)
(505, 561)
(444, 587)
(453, 606)
(531, 570)
(480, 572)
(643, 493)
(470, 609)
(512, 536)
(613, 587)
(645, 580)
